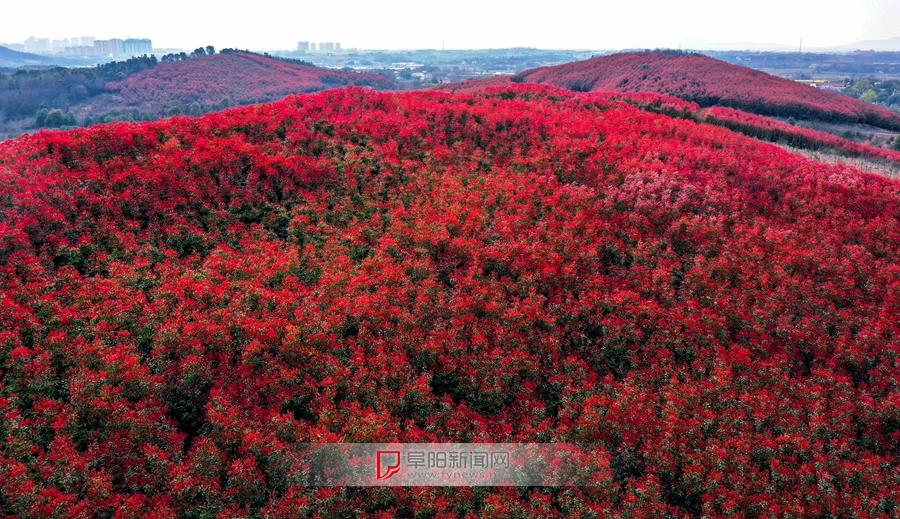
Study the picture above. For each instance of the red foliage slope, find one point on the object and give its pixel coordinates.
(704, 80)
(185, 300)
(773, 130)
(756, 126)
(241, 77)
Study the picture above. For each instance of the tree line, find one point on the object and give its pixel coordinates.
(26, 92)
(209, 50)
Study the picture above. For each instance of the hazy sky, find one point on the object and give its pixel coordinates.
(599, 24)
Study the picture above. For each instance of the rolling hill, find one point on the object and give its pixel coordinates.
(23, 93)
(185, 302)
(242, 77)
(143, 89)
(704, 80)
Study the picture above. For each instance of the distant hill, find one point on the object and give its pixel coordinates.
(889, 45)
(13, 59)
(242, 77)
(704, 80)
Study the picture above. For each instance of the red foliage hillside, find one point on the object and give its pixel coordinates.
(182, 302)
(704, 80)
(773, 130)
(242, 77)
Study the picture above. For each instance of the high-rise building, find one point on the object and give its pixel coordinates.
(337, 46)
(137, 47)
(303, 46)
(326, 47)
(312, 47)
(75, 42)
(87, 41)
(59, 45)
(109, 48)
(33, 45)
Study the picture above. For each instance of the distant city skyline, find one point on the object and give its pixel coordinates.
(466, 24)
(83, 46)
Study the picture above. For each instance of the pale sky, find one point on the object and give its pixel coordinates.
(459, 24)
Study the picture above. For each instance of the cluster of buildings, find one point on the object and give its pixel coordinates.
(85, 46)
(835, 86)
(306, 46)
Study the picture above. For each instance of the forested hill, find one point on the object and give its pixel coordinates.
(243, 77)
(143, 89)
(25, 92)
(185, 303)
(705, 80)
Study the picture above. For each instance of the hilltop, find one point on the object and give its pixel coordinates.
(185, 302)
(704, 80)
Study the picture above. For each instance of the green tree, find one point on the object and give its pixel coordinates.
(55, 118)
(210, 50)
(863, 84)
(869, 96)
(41, 120)
(78, 92)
